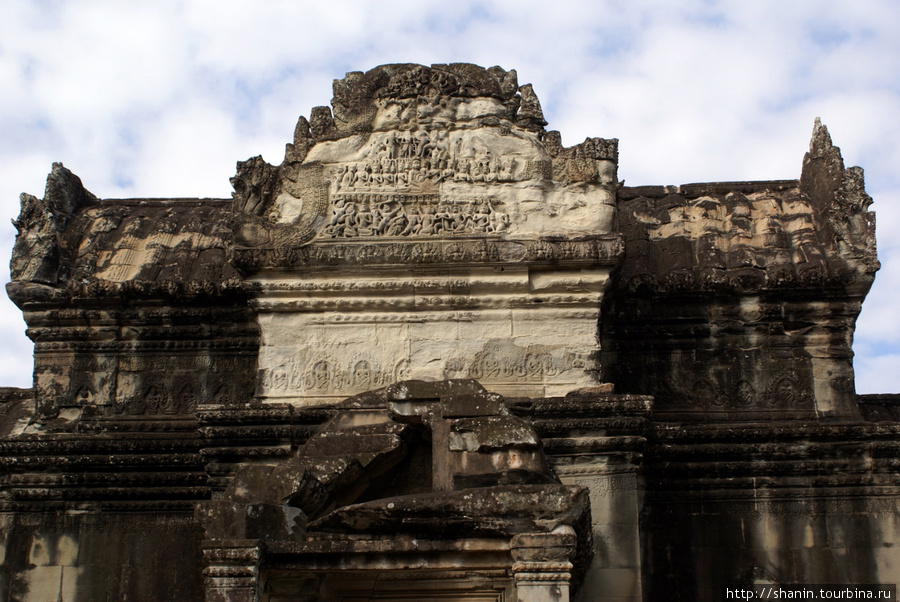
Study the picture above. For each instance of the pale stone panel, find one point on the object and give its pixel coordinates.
(614, 572)
(43, 583)
(323, 339)
(309, 358)
(542, 592)
(451, 177)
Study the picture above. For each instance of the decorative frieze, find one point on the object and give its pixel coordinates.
(597, 250)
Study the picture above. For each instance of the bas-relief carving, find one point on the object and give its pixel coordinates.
(602, 250)
(331, 376)
(330, 369)
(365, 215)
(438, 183)
(509, 363)
(121, 383)
(457, 184)
(768, 388)
(419, 161)
(456, 161)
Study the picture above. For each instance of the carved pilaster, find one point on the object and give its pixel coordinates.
(232, 570)
(541, 566)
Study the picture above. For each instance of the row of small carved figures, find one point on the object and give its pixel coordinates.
(424, 250)
(405, 147)
(783, 391)
(360, 217)
(324, 376)
(157, 400)
(407, 172)
(418, 81)
(530, 365)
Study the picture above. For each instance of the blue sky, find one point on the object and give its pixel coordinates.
(157, 99)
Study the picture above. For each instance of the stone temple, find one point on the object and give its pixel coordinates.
(437, 355)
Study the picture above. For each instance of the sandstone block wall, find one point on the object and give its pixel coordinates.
(666, 370)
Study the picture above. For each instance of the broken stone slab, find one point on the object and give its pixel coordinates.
(490, 512)
(490, 433)
(225, 519)
(451, 398)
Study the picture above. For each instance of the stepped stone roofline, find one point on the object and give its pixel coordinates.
(434, 350)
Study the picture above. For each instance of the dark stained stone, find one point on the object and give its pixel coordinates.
(678, 407)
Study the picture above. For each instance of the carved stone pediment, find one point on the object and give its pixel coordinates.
(413, 152)
(427, 226)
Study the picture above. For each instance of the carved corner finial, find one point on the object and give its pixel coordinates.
(839, 194)
(41, 223)
(823, 168)
(508, 80)
(820, 144)
(302, 133)
(65, 194)
(296, 151)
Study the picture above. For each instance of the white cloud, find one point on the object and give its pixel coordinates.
(161, 98)
(876, 374)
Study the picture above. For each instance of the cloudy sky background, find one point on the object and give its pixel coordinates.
(161, 98)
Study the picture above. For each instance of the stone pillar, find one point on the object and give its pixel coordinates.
(541, 566)
(232, 570)
(615, 570)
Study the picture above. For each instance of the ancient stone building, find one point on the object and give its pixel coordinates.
(436, 355)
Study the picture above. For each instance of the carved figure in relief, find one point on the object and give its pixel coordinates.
(321, 374)
(169, 404)
(222, 395)
(516, 364)
(349, 177)
(364, 175)
(463, 167)
(84, 395)
(279, 379)
(490, 366)
(377, 177)
(405, 145)
(414, 222)
(153, 399)
(187, 400)
(419, 215)
(746, 393)
(481, 221)
(784, 392)
(364, 218)
(362, 374)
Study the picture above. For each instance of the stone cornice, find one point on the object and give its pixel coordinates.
(604, 250)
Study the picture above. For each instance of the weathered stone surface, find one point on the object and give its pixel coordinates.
(386, 368)
(480, 512)
(738, 300)
(39, 255)
(361, 475)
(787, 502)
(419, 166)
(133, 305)
(418, 151)
(351, 453)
